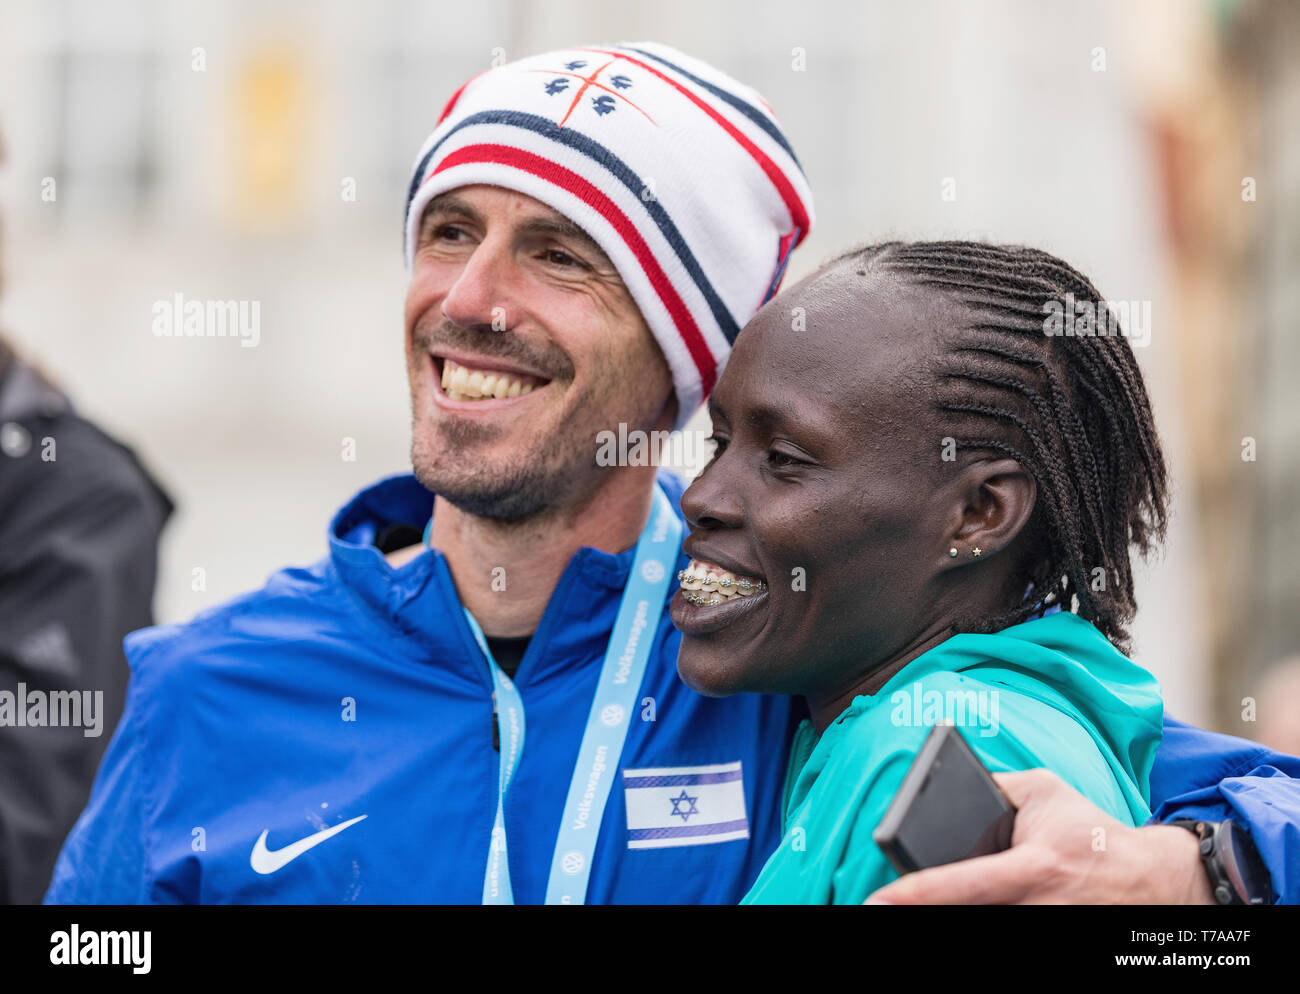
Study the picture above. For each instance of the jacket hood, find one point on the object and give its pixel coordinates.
(1066, 662)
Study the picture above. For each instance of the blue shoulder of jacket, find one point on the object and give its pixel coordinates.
(277, 611)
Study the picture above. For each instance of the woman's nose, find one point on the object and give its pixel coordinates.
(711, 500)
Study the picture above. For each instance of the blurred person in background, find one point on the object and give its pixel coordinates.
(79, 525)
(1279, 706)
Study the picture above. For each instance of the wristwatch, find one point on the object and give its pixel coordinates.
(1237, 874)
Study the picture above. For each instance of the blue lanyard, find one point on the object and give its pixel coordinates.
(615, 703)
(611, 713)
(508, 711)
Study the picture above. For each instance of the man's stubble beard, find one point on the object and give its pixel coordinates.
(553, 470)
(504, 491)
(445, 457)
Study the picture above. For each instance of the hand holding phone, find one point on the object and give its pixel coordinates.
(947, 809)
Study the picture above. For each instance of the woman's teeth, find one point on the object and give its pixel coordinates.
(467, 383)
(704, 583)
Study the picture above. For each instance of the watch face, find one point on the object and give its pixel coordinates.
(1242, 866)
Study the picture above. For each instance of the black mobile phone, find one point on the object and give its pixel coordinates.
(948, 808)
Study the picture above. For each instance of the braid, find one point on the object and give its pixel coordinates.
(1072, 411)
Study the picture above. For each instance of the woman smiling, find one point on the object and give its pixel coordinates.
(918, 497)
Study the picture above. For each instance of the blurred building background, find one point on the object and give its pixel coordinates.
(260, 151)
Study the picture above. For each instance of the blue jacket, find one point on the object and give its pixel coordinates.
(351, 689)
(236, 724)
(1204, 775)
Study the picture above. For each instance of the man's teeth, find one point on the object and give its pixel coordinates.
(466, 383)
(704, 583)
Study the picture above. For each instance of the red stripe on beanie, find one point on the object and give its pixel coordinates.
(571, 182)
(793, 203)
(455, 97)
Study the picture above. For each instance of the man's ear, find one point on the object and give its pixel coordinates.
(994, 501)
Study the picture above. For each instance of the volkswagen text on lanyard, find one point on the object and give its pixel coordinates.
(611, 713)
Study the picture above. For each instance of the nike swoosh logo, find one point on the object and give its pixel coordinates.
(264, 860)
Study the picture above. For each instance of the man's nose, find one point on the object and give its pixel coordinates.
(480, 296)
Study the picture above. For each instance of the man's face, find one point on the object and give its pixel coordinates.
(552, 346)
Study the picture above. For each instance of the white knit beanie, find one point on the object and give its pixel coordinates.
(681, 174)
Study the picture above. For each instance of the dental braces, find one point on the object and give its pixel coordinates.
(700, 598)
(748, 586)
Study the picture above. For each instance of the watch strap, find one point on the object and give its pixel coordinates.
(1236, 873)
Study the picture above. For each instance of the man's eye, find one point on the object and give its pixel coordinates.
(719, 444)
(440, 234)
(558, 257)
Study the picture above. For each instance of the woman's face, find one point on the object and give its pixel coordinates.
(825, 487)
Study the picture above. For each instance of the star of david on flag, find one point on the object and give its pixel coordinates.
(685, 805)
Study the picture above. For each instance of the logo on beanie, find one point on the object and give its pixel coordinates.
(563, 82)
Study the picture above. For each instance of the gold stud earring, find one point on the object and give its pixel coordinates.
(976, 552)
(952, 553)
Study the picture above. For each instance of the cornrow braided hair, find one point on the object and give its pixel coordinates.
(1073, 411)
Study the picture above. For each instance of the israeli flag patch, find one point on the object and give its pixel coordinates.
(685, 805)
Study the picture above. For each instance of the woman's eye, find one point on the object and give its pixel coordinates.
(717, 445)
(781, 460)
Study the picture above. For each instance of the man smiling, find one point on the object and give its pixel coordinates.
(474, 698)
(491, 712)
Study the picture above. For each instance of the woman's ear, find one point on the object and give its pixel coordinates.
(995, 499)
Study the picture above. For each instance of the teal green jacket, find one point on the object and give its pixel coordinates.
(1052, 692)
